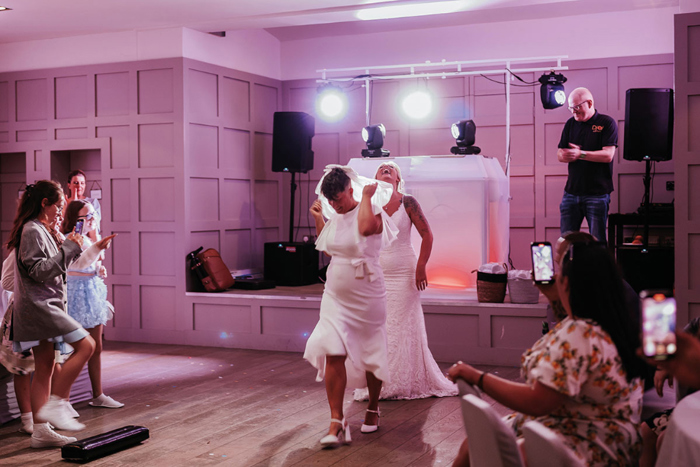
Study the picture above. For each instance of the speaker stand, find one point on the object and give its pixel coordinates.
(291, 210)
(647, 204)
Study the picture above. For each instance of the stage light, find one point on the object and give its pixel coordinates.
(373, 136)
(552, 91)
(331, 103)
(464, 132)
(418, 104)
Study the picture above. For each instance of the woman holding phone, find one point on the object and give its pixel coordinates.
(87, 293)
(582, 379)
(39, 319)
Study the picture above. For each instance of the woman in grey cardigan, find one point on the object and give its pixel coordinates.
(40, 321)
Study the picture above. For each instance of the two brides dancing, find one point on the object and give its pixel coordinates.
(348, 347)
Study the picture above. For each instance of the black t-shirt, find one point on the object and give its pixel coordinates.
(586, 177)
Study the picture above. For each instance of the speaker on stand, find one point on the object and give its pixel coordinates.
(288, 263)
(648, 137)
(648, 134)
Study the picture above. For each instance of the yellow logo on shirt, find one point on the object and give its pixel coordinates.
(597, 128)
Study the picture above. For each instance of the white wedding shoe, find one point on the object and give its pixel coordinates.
(371, 428)
(343, 436)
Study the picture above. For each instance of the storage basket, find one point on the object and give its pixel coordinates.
(491, 288)
(522, 290)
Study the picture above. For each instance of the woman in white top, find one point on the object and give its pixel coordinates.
(87, 296)
(348, 345)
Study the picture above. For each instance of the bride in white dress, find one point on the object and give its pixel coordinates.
(348, 345)
(413, 372)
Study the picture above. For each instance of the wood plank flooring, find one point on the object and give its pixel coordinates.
(213, 406)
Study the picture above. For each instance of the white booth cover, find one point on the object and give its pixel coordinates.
(465, 199)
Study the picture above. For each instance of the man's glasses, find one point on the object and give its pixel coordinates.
(577, 107)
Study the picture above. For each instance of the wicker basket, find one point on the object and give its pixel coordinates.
(522, 290)
(491, 288)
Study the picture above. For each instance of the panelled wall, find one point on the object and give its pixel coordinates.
(537, 178)
(183, 149)
(687, 154)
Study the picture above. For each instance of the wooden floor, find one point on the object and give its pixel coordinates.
(213, 406)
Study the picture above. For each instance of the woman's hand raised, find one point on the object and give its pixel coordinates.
(369, 190)
(316, 209)
(105, 242)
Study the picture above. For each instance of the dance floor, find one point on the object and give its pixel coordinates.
(215, 406)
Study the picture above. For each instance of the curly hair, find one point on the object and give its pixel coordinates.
(334, 183)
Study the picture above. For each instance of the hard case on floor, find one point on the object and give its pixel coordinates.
(87, 449)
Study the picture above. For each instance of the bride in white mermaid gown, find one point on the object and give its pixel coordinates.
(413, 373)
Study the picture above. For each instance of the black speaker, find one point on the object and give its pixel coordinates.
(291, 142)
(291, 263)
(649, 124)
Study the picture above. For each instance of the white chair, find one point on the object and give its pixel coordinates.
(543, 448)
(491, 442)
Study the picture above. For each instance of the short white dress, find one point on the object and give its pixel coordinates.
(352, 320)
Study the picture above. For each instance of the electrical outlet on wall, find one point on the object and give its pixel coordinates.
(670, 185)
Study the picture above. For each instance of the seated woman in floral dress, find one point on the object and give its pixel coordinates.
(582, 378)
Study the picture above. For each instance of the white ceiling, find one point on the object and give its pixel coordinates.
(286, 19)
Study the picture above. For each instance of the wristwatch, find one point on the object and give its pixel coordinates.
(583, 155)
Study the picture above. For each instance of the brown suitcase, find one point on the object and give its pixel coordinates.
(219, 277)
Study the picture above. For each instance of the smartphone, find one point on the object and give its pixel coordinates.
(658, 324)
(79, 226)
(542, 262)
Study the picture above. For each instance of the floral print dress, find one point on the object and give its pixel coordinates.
(599, 420)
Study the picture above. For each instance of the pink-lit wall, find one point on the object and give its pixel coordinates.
(184, 161)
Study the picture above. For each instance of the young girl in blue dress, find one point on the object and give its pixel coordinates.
(87, 294)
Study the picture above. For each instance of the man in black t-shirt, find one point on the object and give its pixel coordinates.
(587, 145)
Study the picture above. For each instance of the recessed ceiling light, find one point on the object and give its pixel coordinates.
(4, 8)
(417, 9)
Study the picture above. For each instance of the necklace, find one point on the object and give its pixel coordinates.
(386, 208)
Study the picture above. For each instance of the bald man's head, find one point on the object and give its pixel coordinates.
(581, 104)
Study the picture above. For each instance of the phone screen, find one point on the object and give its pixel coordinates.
(79, 227)
(658, 324)
(542, 262)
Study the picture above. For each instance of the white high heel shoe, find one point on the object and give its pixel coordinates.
(343, 436)
(371, 428)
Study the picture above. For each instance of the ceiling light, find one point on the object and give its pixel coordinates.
(552, 91)
(331, 103)
(4, 8)
(417, 9)
(418, 104)
(464, 132)
(373, 136)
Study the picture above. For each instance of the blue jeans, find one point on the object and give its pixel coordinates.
(594, 208)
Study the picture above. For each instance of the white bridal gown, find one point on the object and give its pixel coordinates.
(413, 373)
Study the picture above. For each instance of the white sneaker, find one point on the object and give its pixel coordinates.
(54, 412)
(105, 401)
(71, 411)
(45, 437)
